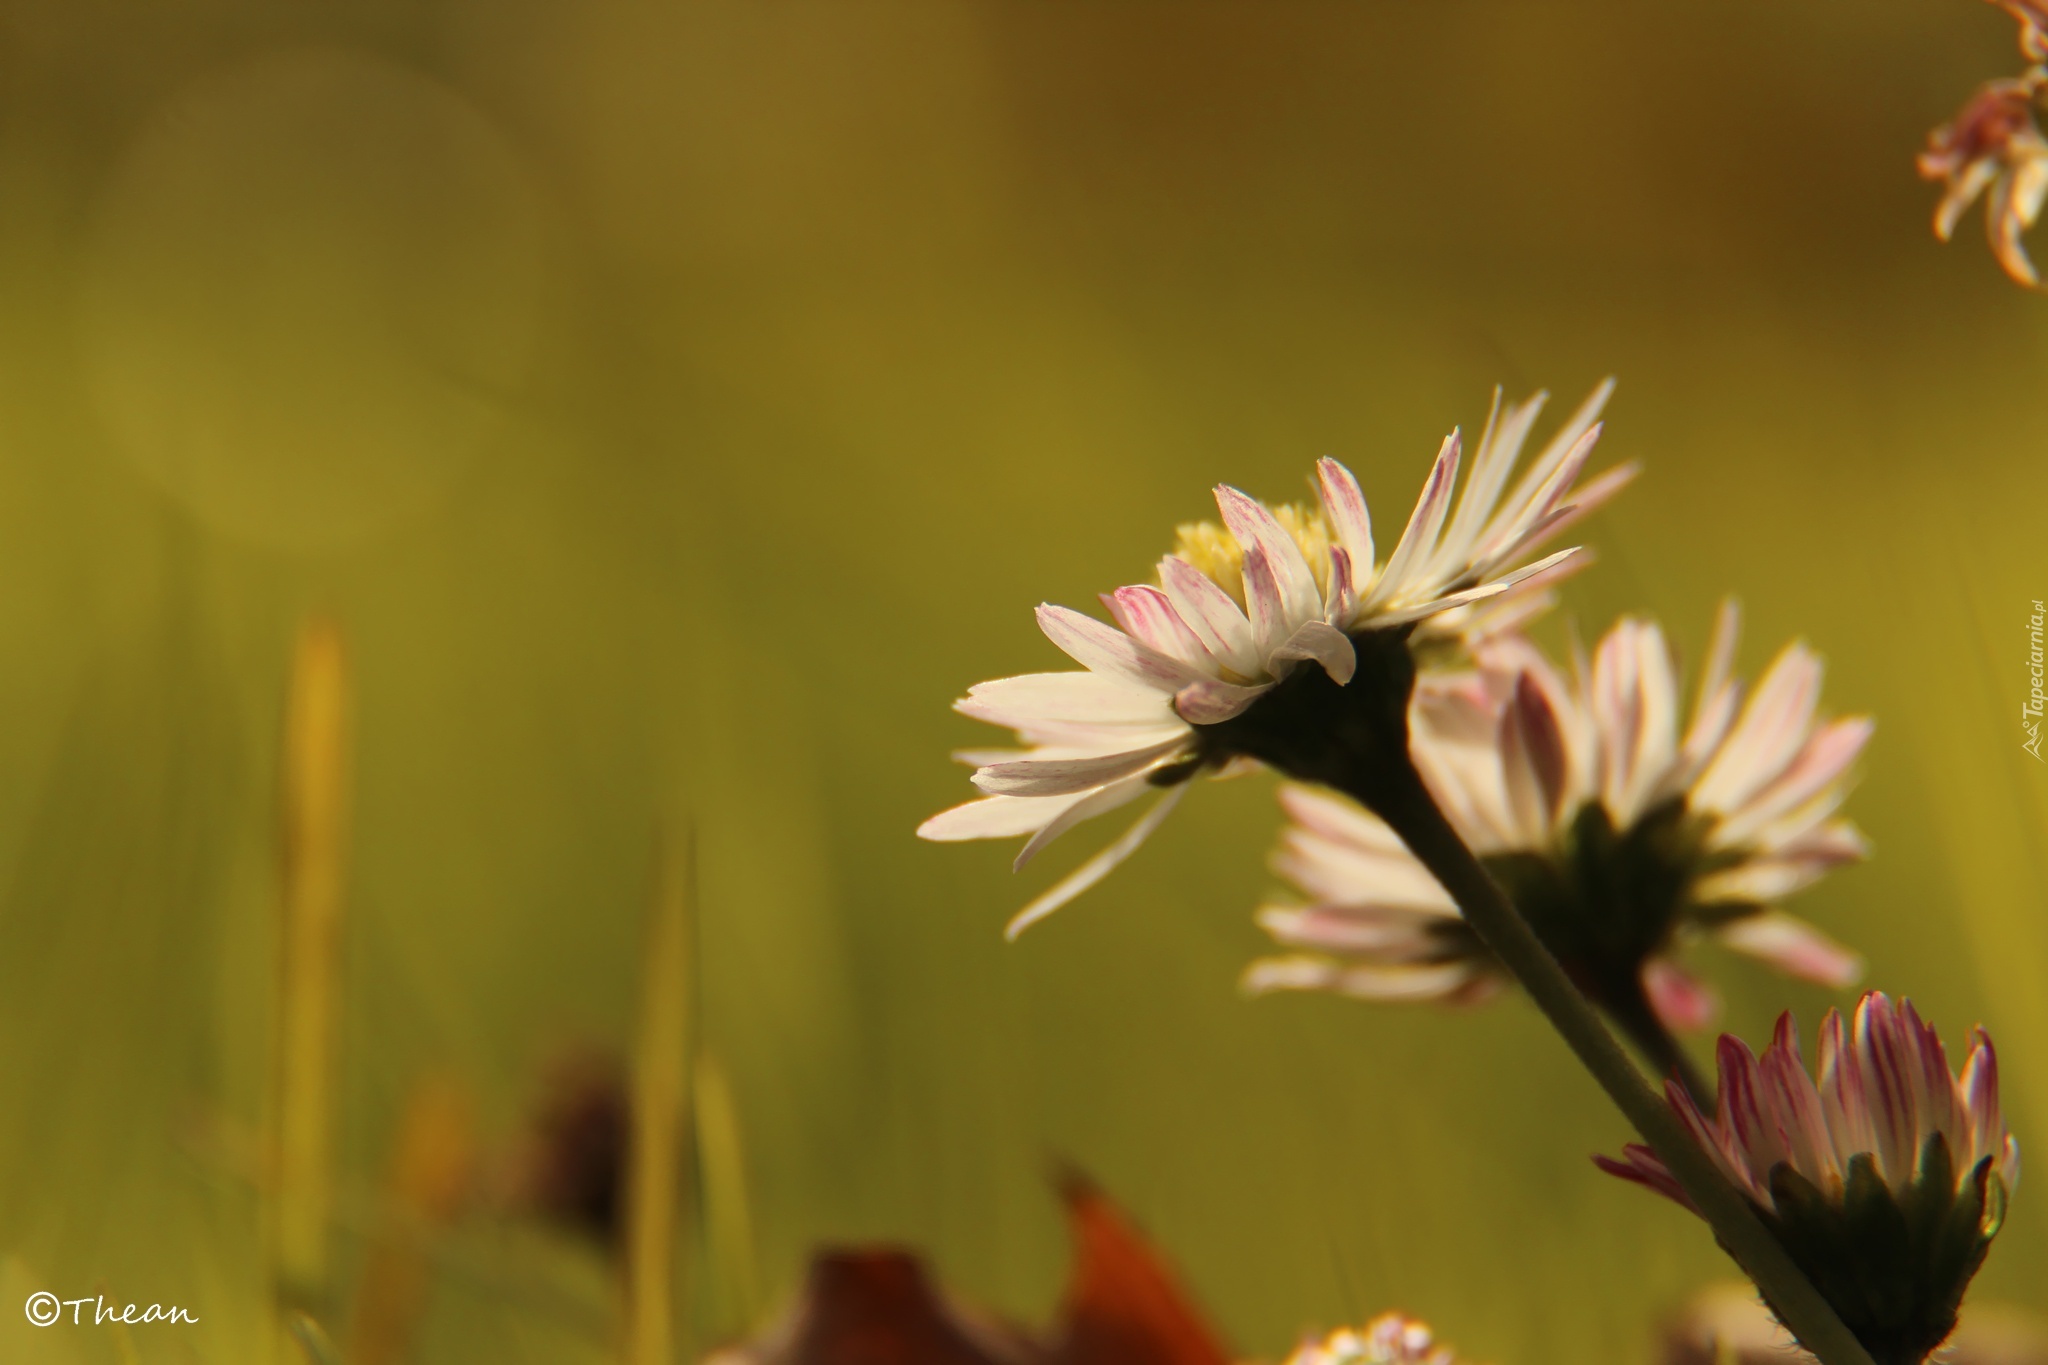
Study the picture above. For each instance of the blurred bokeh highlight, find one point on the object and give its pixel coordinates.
(670, 408)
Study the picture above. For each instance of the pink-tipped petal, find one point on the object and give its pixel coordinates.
(1105, 649)
(1265, 606)
(1584, 503)
(1532, 761)
(1889, 1074)
(1256, 527)
(1208, 611)
(1345, 510)
(1147, 615)
(1641, 1166)
(1769, 734)
(1340, 601)
(1979, 1089)
(1681, 1000)
(1794, 1103)
(1418, 539)
(1795, 948)
(1815, 772)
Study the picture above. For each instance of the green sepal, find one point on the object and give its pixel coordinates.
(1894, 1264)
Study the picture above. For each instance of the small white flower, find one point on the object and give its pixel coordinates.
(1389, 1339)
(1235, 610)
(1616, 832)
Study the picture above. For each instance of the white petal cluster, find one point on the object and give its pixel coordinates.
(1515, 751)
(1881, 1086)
(1389, 1339)
(1239, 607)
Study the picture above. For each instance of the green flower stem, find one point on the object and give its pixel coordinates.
(1634, 1016)
(1353, 736)
(1397, 794)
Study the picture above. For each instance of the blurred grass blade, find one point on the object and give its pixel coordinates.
(660, 1100)
(728, 1213)
(315, 1344)
(313, 839)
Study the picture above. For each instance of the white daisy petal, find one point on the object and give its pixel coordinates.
(1344, 507)
(1265, 605)
(1147, 615)
(1091, 804)
(1441, 981)
(1418, 538)
(1062, 776)
(1096, 868)
(1095, 698)
(1770, 732)
(1211, 703)
(994, 817)
(1795, 948)
(1324, 643)
(1387, 933)
(1499, 447)
(1209, 612)
(1340, 600)
(1256, 528)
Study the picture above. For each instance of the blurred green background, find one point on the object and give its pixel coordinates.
(677, 405)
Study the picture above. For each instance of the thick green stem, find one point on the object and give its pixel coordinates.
(1398, 795)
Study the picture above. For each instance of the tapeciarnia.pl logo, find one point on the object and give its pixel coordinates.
(2030, 712)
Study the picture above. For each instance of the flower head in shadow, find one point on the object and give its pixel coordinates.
(1884, 1175)
(1994, 147)
(1617, 831)
(1238, 608)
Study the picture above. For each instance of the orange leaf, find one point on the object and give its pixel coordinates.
(1123, 1307)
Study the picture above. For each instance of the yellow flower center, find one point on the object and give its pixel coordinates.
(1215, 553)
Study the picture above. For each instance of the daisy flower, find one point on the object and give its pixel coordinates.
(1994, 144)
(1240, 608)
(1389, 1339)
(1883, 1175)
(1616, 834)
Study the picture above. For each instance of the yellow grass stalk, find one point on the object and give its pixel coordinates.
(660, 1104)
(313, 839)
(728, 1213)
